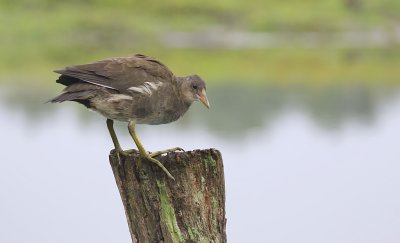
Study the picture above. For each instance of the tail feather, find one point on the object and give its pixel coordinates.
(66, 80)
(72, 96)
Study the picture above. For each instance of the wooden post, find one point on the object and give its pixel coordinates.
(159, 209)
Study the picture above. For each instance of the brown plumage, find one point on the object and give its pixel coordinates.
(134, 89)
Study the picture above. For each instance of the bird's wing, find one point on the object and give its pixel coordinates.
(120, 73)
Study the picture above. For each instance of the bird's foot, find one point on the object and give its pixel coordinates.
(120, 152)
(125, 152)
(157, 153)
(149, 157)
(128, 152)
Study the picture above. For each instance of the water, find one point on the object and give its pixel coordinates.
(301, 165)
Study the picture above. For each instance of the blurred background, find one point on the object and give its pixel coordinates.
(305, 108)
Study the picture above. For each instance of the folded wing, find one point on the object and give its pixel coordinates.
(120, 73)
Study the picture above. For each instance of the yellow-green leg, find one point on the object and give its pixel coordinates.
(144, 153)
(118, 149)
(110, 126)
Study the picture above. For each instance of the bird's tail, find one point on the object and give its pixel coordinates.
(72, 96)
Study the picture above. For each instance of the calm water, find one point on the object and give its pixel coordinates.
(301, 165)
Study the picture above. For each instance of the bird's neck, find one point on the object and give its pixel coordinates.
(181, 84)
(180, 81)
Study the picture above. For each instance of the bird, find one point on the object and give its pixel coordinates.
(137, 89)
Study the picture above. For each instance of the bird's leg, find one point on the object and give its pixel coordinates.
(110, 126)
(143, 152)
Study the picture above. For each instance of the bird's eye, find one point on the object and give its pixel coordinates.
(194, 86)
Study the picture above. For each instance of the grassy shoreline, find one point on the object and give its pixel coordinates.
(288, 66)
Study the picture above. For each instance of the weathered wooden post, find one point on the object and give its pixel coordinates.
(159, 209)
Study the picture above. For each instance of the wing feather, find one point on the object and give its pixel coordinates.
(120, 73)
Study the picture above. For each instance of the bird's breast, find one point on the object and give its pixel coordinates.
(161, 107)
(159, 115)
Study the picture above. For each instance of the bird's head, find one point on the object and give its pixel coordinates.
(193, 88)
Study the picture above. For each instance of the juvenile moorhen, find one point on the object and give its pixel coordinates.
(137, 89)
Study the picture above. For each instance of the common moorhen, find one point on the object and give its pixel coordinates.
(137, 89)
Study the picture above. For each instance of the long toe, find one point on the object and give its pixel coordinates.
(122, 152)
(158, 163)
(129, 151)
(155, 154)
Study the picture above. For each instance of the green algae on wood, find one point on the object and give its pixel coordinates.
(167, 213)
(210, 163)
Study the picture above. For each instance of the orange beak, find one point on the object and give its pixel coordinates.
(203, 98)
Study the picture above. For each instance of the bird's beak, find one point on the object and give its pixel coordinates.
(203, 98)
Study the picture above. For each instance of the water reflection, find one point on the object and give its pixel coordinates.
(238, 109)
